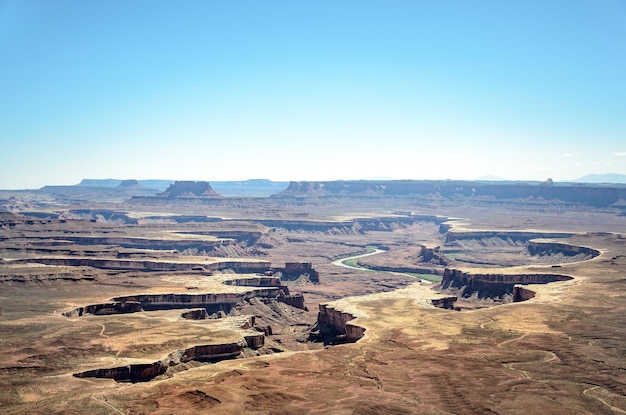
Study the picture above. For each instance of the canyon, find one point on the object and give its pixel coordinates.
(475, 298)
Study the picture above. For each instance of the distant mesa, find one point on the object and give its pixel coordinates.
(602, 178)
(158, 185)
(587, 194)
(183, 189)
(548, 182)
(129, 185)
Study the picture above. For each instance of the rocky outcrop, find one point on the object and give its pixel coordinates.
(295, 300)
(284, 296)
(293, 270)
(189, 189)
(255, 341)
(522, 294)
(493, 285)
(340, 321)
(197, 314)
(445, 302)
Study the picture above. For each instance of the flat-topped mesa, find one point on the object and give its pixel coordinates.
(495, 285)
(265, 287)
(185, 189)
(532, 192)
(284, 296)
(129, 184)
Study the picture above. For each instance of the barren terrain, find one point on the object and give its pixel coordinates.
(240, 305)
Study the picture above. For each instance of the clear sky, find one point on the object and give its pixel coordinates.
(315, 90)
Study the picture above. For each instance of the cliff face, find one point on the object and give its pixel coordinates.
(106, 308)
(212, 352)
(522, 294)
(549, 248)
(130, 264)
(598, 196)
(147, 371)
(293, 270)
(514, 236)
(130, 373)
(182, 189)
(493, 285)
(340, 321)
(296, 300)
(264, 287)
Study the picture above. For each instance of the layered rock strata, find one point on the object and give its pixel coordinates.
(149, 265)
(143, 372)
(494, 285)
(266, 287)
(531, 192)
(185, 189)
(340, 321)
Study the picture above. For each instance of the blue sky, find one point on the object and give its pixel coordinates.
(288, 90)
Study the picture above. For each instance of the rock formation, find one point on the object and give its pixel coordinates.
(264, 287)
(550, 248)
(185, 189)
(445, 302)
(340, 322)
(138, 265)
(599, 196)
(129, 185)
(197, 314)
(493, 285)
(144, 372)
(293, 270)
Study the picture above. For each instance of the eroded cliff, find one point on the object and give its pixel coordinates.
(341, 322)
(493, 285)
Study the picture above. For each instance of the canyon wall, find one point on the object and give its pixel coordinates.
(548, 248)
(293, 270)
(131, 373)
(492, 285)
(340, 321)
(141, 265)
(147, 371)
(513, 235)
